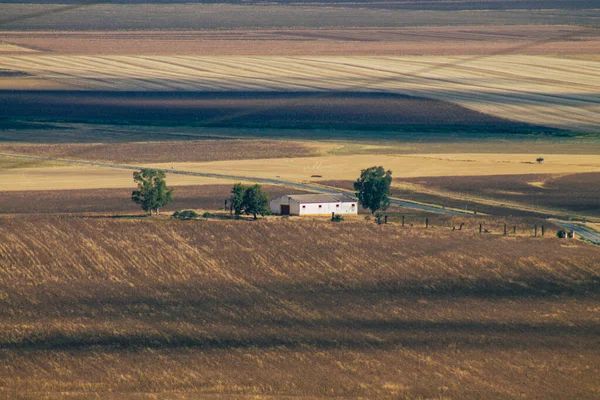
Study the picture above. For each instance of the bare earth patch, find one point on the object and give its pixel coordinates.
(118, 201)
(150, 152)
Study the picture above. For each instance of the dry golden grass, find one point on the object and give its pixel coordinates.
(317, 168)
(348, 167)
(292, 308)
(83, 177)
(13, 48)
(11, 163)
(555, 92)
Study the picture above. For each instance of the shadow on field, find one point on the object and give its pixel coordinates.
(185, 316)
(332, 334)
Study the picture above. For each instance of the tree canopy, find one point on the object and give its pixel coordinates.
(237, 198)
(256, 201)
(152, 192)
(249, 199)
(373, 188)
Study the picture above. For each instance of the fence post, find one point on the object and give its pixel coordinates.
(479, 228)
(403, 221)
(385, 219)
(535, 230)
(332, 215)
(542, 230)
(515, 229)
(504, 229)
(426, 223)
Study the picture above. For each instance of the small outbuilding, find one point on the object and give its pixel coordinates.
(314, 204)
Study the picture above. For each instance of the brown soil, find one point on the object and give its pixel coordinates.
(573, 192)
(118, 201)
(570, 193)
(338, 110)
(189, 151)
(293, 308)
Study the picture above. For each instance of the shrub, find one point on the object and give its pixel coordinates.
(367, 218)
(185, 215)
(206, 215)
(561, 234)
(337, 218)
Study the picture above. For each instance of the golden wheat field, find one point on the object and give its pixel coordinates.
(405, 165)
(550, 91)
(55, 175)
(98, 307)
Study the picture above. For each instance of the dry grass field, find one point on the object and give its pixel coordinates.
(348, 167)
(457, 98)
(60, 177)
(120, 309)
(57, 176)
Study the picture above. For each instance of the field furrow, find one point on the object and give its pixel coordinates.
(562, 93)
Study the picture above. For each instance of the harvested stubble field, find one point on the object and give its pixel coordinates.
(59, 177)
(426, 40)
(348, 167)
(302, 308)
(118, 200)
(135, 17)
(177, 151)
(555, 92)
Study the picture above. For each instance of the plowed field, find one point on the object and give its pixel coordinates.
(561, 93)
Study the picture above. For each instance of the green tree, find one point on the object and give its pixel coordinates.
(373, 188)
(255, 201)
(237, 199)
(152, 192)
(539, 160)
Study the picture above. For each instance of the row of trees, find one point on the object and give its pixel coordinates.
(152, 193)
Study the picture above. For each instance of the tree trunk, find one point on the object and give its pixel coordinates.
(255, 217)
(157, 212)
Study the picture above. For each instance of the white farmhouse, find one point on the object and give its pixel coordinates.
(314, 204)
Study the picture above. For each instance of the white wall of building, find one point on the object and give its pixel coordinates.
(324, 208)
(327, 208)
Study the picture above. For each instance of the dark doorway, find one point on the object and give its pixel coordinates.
(285, 209)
